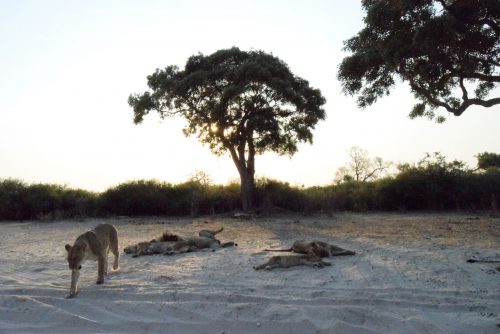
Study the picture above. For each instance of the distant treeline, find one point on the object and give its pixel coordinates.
(433, 185)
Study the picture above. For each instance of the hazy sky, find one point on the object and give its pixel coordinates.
(68, 67)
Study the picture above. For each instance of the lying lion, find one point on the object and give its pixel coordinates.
(318, 248)
(154, 246)
(205, 240)
(170, 244)
(287, 261)
(194, 244)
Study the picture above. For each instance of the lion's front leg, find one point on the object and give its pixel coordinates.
(101, 262)
(75, 274)
(106, 266)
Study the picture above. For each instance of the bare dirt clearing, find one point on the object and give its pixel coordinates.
(409, 275)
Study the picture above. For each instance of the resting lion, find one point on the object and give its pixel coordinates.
(155, 246)
(206, 239)
(170, 244)
(287, 261)
(194, 244)
(318, 248)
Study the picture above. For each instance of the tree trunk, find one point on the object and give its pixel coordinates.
(247, 188)
(246, 169)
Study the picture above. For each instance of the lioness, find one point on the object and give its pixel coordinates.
(171, 248)
(92, 245)
(206, 239)
(287, 261)
(155, 246)
(148, 248)
(170, 244)
(197, 243)
(318, 248)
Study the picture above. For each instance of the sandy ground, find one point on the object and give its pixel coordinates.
(409, 276)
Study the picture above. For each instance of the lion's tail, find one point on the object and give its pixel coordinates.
(217, 231)
(482, 261)
(279, 250)
(210, 233)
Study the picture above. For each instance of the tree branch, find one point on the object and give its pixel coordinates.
(429, 97)
(485, 103)
(368, 176)
(480, 76)
(234, 155)
(465, 95)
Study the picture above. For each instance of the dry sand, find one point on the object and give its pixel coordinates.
(410, 275)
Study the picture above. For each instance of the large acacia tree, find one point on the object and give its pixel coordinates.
(447, 50)
(244, 103)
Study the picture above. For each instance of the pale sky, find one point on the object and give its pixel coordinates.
(68, 67)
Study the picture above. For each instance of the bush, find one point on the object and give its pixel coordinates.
(271, 194)
(19, 201)
(431, 184)
(152, 197)
(144, 198)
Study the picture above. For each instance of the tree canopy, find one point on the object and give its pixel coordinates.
(448, 51)
(240, 102)
(488, 160)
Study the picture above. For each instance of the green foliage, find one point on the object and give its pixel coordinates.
(11, 192)
(272, 194)
(142, 198)
(221, 199)
(19, 201)
(233, 96)
(488, 160)
(152, 197)
(445, 50)
(430, 184)
(244, 103)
